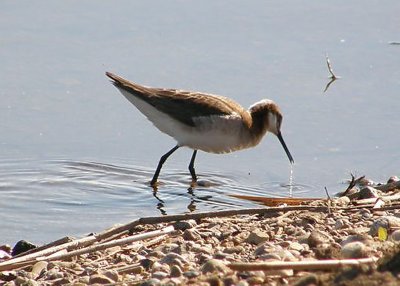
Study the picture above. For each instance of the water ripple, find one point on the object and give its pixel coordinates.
(74, 197)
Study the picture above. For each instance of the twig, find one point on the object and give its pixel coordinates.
(109, 244)
(329, 201)
(301, 265)
(27, 259)
(196, 216)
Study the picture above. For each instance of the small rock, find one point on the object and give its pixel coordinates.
(191, 274)
(22, 246)
(342, 201)
(151, 282)
(318, 237)
(174, 259)
(214, 265)
(255, 280)
(257, 237)
(100, 279)
(393, 179)
(159, 275)
(368, 192)
(176, 271)
(296, 246)
(235, 249)
(364, 238)
(112, 274)
(355, 249)
(184, 225)
(191, 234)
(396, 235)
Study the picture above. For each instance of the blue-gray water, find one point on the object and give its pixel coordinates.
(76, 156)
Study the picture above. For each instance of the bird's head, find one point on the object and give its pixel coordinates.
(271, 117)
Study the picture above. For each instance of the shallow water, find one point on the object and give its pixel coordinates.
(76, 157)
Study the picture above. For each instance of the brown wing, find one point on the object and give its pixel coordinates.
(179, 104)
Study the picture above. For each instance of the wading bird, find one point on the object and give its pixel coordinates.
(201, 121)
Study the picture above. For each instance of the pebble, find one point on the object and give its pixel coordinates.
(151, 282)
(235, 249)
(368, 192)
(364, 238)
(191, 274)
(100, 279)
(395, 236)
(22, 246)
(112, 274)
(354, 249)
(176, 271)
(159, 275)
(214, 265)
(318, 237)
(190, 234)
(184, 225)
(256, 237)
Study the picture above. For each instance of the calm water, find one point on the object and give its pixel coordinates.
(76, 156)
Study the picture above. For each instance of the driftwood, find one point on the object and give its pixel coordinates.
(301, 265)
(61, 252)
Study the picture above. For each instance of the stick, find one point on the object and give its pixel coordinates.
(301, 265)
(109, 244)
(196, 216)
(31, 257)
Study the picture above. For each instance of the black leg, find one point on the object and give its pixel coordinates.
(162, 160)
(191, 166)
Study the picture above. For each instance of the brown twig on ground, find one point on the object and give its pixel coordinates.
(301, 265)
(352, 183)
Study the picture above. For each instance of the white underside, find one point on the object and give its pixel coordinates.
(215, 134)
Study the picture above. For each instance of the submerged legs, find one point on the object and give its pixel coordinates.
(162, 160)
(191, 166)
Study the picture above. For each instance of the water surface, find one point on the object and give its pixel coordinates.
(76, 157)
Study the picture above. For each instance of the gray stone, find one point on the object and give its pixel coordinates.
(191, 274)
(159, 275)
(355, 249)
(257, 237)
(368, 192)
(151, 282)
(364, 238)
(176, 271)
(396, 235)
(184, 225)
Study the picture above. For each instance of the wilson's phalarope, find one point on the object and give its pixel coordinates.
(201, 121)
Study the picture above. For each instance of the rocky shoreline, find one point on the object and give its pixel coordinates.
(349, 240)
